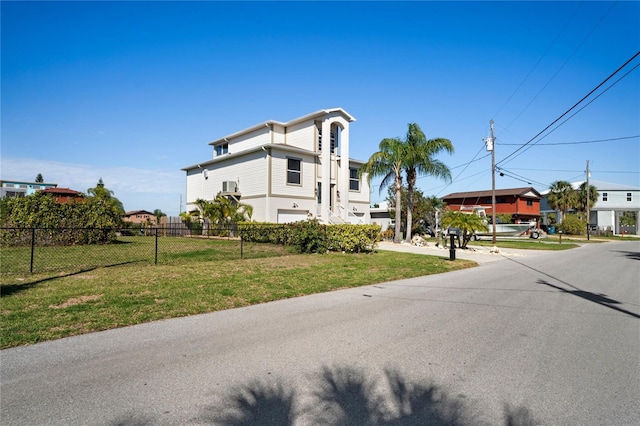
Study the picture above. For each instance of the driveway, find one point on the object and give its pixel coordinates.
(551, 339)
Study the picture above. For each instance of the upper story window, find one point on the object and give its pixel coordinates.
(529, 203)
(354, 181)
(222, 149)
(605, 196)
(628, 196)
(294, 171)
(333, 141)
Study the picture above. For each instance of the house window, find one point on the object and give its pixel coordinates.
(354, 182)
(333, 141)
(222, 149)
(294, 171)
(529, 203)
(605, 196)
(628, 196)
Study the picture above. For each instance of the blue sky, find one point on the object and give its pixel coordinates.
(133, 92)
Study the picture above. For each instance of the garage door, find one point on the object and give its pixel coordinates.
(288, 216)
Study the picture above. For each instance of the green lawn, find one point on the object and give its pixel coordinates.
(193, 277)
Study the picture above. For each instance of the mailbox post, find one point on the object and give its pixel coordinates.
(453, 233)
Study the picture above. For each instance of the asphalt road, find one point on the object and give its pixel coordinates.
(549, 338)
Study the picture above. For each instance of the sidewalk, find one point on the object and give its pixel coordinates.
(477, 254)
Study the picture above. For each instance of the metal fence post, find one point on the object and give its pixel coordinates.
(33, 243)
(156, 261)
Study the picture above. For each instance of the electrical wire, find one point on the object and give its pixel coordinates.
(584, 106)
(516, 176)
(562, 66)
(504, 160)
(455, 179)
(575, 143)
(539, 60)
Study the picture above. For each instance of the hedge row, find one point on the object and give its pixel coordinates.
(313, 237)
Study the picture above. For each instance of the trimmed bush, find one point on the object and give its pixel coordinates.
(353, 238)
(573, 225)
(313, 237)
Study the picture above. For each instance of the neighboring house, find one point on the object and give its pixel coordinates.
(287, 172)
(523, 204)
(613, 200)
(380, 216)
(139, 216)
(63, 195)
(14, 188)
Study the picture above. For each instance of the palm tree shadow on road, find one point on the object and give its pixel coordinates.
(344, 396)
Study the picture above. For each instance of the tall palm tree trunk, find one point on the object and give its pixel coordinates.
(397, 236)
(411, 181)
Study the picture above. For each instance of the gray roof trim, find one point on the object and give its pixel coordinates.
(268, 123)
(277, 146)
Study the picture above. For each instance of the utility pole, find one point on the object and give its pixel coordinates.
(588, 198)
(491, 147)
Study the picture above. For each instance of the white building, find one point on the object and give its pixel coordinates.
(286, 172)
(613, 200)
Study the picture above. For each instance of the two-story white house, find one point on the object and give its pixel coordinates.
(291, 171)
(613, 200)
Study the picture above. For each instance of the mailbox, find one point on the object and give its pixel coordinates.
(457, 232)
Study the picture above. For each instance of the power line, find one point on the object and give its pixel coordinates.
(574, 171)
(563, 65)
(587, 104)
(538, 62)
(465, 168)
(577, 143)
(516, 176)
(570, 109)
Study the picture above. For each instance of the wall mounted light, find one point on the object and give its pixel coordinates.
(295, 206)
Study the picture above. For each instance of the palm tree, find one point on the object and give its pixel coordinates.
(468, 224)
(387, 162)
(100, 191)
(583, 198)
(419, 161)
(159, 214)
(562, 196)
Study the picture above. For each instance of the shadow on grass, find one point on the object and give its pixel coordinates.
(9, 289)
(344, 396)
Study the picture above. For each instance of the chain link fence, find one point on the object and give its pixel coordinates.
(38, 250)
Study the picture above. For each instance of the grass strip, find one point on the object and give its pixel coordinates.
(40, 307)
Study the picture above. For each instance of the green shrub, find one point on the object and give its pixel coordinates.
(573, 225)
(313, 237)
(88, 221)
(261, 232)
(309, 237)
(353, 238)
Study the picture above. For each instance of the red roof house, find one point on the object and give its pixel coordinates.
(523, 204)
(64, 195)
